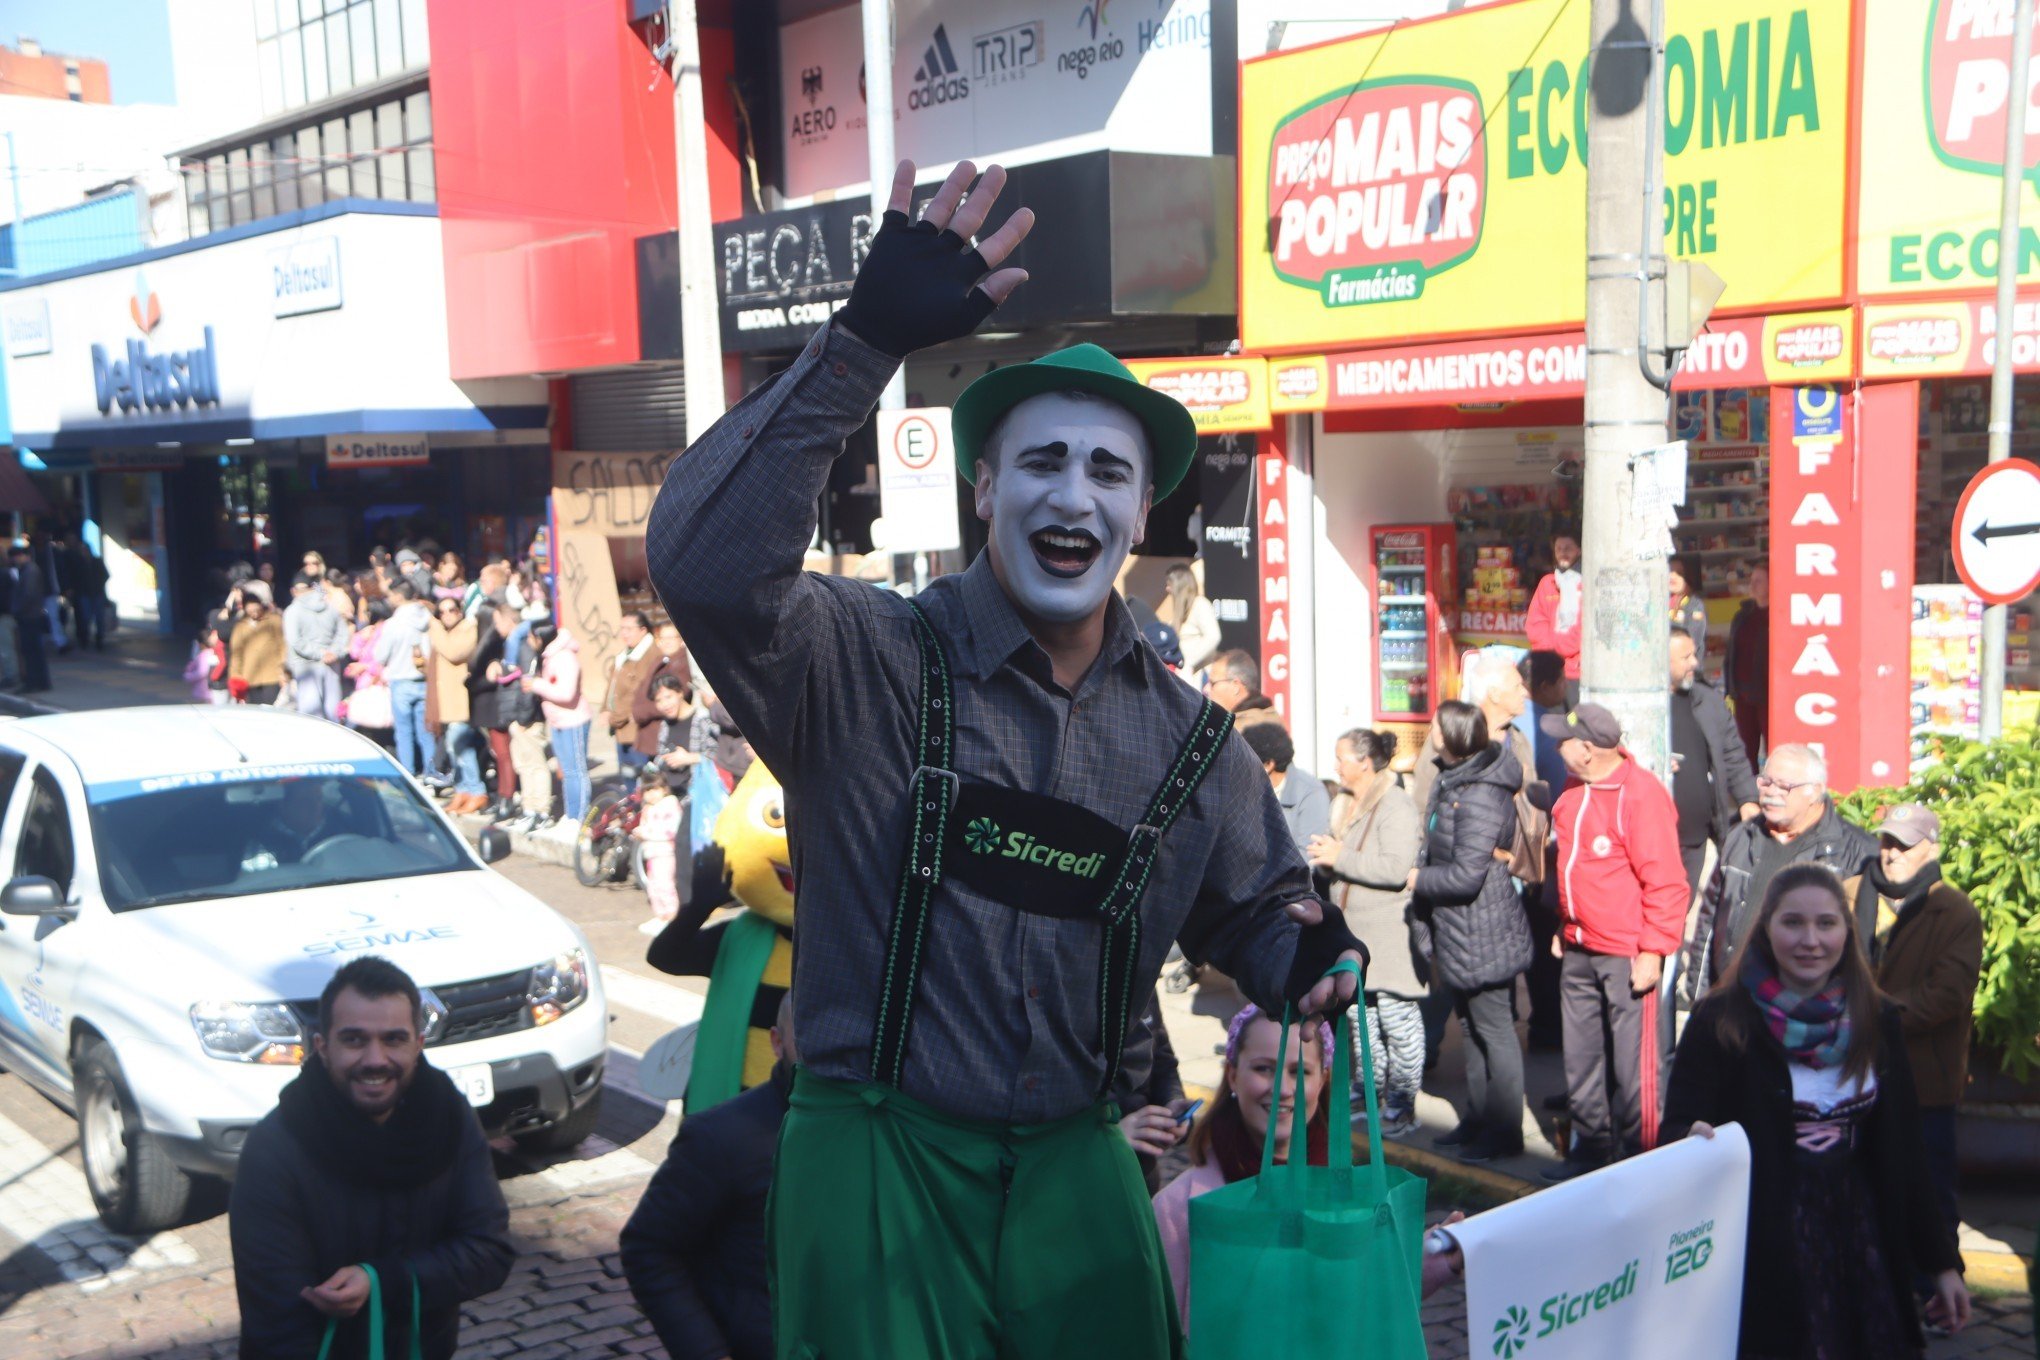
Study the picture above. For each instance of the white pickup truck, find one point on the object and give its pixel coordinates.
(179, 885)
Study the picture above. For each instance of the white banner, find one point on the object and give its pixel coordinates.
(916, 481)
(1612, 1264)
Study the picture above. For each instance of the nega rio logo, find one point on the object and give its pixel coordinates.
(1969, 85)
(1512, 1331)
(1374, 188)
(982, 835)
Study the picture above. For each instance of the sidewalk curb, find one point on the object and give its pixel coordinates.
(1433, 1164)
(14, 706)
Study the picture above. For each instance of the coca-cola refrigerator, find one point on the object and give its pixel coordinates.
(1415, 587)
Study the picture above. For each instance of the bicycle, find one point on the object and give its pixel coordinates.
(605, 852)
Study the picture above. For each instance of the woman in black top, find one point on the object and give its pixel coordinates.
(1797, 1046)
(1470, 924)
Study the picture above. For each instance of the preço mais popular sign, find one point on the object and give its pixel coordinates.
(1937, 76)
(1429, 196)
(1223, 395)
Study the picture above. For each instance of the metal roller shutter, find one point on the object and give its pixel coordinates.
(631, 410)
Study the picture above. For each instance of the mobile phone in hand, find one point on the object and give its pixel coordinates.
(1190, 1113)
(511, 676)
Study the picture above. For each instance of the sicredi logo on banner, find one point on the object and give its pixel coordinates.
(304, 276)
(1376, 187)
(917, 481)
(377, 450)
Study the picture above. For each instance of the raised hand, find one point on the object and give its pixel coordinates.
(925, 283)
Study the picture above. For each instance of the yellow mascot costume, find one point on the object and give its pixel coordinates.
(748, 958)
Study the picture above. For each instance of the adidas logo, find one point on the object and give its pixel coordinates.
(937, 80)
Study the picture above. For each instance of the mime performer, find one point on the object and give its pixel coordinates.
(1002, 810)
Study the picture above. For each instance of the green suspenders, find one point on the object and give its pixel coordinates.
(935, 790)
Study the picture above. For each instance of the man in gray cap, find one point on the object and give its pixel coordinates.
(1926, 939)
(1622, 911)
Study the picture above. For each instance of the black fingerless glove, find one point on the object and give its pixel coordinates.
(1318, 947)
(917, 287)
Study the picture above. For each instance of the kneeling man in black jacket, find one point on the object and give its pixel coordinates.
(372, 1158)
(694, 1249)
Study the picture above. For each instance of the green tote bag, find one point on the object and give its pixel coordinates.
(375, 1321)
(1311, 1260)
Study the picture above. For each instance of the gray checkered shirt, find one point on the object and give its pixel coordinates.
(823, 676)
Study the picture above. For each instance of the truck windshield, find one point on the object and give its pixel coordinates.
(239, 833)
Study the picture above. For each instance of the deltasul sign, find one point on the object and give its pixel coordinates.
(1376, 187)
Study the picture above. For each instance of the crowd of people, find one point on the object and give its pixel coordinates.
(1828, 971)
(465, 677)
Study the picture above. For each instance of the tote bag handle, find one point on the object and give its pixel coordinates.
(375, 1320)
(1340, 1153)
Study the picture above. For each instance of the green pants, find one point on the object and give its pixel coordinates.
(899, 1233)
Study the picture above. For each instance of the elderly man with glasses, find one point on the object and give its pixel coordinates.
(1797, 824)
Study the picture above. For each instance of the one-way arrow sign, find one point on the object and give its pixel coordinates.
(1997, 532)
(1986, 531)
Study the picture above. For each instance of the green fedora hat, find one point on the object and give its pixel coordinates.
(1172, 434)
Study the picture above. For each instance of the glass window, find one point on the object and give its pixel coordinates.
(257, 837)
(317, 86)
(389, 125)
(265, 18)
(269, 71)
(196, 217)
(308, 10)
(237, 185)
(335, 6)
(261, 179)
(389, 36)
(338, 73)
(311, 188)
(361, 27)
(44, 849)
(333, 147)
(418, 117)
(360, 150)
(417, 51)
(419, 161)
(290, 48)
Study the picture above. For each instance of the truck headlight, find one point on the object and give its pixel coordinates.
(558, 985)
(249, 1032)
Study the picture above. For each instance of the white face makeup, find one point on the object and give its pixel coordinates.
(1067, 500)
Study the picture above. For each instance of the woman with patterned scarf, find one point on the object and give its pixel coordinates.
(1797, 1046)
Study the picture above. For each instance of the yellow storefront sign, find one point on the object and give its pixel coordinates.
(1223, 395)
(1420, 182)
(1936, 76)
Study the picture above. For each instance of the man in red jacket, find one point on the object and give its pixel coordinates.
(1622, 907)
(1553, 621)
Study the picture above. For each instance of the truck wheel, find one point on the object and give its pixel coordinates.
(568, 1133)
(135, 1186)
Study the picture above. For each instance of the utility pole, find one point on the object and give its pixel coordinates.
(878, 138)
(1624, 641)
(1993, 645)
(700, 316)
